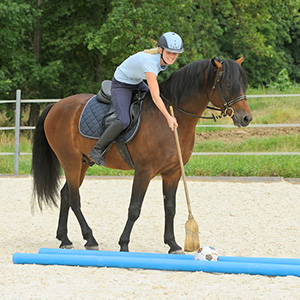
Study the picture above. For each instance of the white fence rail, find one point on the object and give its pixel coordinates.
(17, 128)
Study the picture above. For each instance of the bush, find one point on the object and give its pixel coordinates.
(282, 81)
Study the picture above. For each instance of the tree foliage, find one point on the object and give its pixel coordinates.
(52, 49)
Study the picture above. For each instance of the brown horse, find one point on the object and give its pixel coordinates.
(57, 142)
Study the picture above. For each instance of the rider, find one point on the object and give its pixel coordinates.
(129, 77)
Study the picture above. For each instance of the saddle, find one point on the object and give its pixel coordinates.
(104, 96)
(99, 112)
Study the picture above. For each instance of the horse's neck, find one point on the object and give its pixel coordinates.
(195, 105)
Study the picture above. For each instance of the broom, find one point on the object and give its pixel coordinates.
(191, 227)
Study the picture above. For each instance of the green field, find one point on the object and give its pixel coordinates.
(265, 111)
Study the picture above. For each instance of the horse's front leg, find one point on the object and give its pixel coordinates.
(170, 184)
(140, 184)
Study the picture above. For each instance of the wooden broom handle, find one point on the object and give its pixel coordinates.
(181, 166)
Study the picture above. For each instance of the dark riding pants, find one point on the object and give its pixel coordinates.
(121, 94)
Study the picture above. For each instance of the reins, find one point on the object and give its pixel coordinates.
(213, 117)
(226, 107)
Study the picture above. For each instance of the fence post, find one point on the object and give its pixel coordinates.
(17, 132)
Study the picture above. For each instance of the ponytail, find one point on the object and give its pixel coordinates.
(152, 51)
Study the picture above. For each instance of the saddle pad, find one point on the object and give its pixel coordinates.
(90, 123)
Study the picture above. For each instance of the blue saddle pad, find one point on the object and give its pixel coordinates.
(90, 123)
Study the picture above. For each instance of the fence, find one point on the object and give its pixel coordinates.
(17, 128)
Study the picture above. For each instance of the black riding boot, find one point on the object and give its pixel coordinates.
(110, 133)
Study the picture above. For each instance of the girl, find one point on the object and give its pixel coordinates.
(129, 77)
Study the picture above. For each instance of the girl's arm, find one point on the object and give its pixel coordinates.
(154, 90)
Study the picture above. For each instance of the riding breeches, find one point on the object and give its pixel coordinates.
(121, 95)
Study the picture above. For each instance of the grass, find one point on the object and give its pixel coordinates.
(280, 143)
(262, 166)
(264, 110)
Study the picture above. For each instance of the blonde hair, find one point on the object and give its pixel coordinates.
(152, 51)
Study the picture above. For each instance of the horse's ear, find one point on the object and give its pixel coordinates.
(216, 64)
(240, 60)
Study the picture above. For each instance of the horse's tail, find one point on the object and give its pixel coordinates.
(45, 168)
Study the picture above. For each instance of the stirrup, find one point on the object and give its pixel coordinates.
(100, 161)
(97, 157)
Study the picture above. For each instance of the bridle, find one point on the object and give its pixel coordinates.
(225, 110)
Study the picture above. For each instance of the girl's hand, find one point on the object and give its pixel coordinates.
(172, 122)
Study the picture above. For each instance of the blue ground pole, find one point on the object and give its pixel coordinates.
(153, 261)
(266, 260)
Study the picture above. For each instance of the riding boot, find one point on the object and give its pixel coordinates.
(109, 135)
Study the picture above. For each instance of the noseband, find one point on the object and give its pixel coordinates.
(226, 109)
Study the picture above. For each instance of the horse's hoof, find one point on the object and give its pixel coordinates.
(177, 252)
(67, 246)
(91, 247)
(124, 248)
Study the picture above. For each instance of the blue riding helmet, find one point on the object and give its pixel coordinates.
(171, 41)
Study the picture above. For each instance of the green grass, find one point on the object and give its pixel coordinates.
(275, 110)
(265, 166)
(280, 143)
(97, 171)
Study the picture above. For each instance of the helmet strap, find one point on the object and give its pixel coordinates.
(161, 55)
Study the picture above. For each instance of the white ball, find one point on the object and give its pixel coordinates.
(207, 253)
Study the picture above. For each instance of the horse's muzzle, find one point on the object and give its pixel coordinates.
(242, 119)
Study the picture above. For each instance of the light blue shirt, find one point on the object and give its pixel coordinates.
(133, 69)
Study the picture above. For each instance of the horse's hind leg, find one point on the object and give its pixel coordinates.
(85, 229)
(170, 184)
(62, 231)
(70, 198)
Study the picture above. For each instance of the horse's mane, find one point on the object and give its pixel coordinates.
(199, 76)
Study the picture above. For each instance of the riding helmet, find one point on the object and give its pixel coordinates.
(171, 41)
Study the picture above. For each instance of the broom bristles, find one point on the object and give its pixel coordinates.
(191, 235)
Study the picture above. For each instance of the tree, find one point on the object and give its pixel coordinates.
(52, 49)
(66, 65)
(16, 59)
(132, 26)
(292, 48)
(45, 51)
(16, 20)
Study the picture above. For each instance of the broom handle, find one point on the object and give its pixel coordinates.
(181, 166)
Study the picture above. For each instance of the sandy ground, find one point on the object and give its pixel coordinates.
(240, 219)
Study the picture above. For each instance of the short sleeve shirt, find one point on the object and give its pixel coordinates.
(133, 69)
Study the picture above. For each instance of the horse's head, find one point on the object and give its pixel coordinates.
(229, 90)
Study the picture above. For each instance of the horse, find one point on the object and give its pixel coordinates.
(58, 143)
